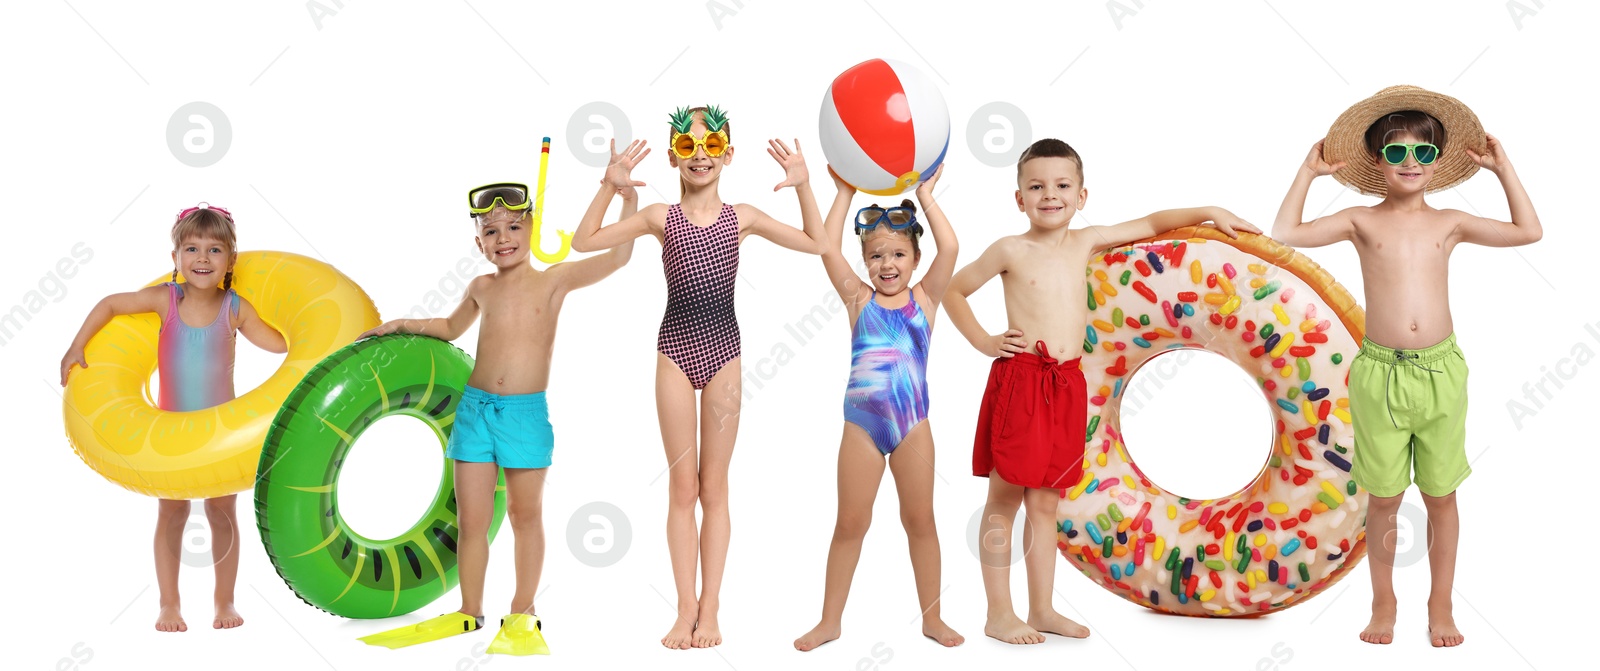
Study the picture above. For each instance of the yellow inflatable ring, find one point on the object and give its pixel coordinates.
(118, 431)
(1299, 526)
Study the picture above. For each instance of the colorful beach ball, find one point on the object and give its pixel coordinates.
(884, 127)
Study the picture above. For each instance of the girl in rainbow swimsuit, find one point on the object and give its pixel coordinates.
(200, 318)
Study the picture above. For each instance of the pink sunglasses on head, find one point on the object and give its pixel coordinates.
(205, 206)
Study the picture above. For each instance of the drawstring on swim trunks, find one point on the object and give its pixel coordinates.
(1399, 357)
(495, 401)
(1053, 371)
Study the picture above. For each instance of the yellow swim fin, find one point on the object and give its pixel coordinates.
(520, 634)
(443, 626)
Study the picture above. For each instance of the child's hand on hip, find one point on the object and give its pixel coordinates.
(1006, 344)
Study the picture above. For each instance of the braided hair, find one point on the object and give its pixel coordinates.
(207, 222)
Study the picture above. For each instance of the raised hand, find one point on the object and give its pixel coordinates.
(1494, 159)
(619, 171)
(1318, 165)
(839, 183)
(925, 187)
(794, 165)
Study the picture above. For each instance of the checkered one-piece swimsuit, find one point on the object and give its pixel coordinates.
(700, 332)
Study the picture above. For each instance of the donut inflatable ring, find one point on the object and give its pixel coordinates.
(328, 564)
(116, 428)
(1299, 525)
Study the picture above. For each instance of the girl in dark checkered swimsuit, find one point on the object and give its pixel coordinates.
(700, 332)
(699, 339)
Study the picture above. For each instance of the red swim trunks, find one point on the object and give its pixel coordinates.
(1032, 423)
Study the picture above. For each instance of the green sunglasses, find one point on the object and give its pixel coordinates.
(1395, 153)
(510, 195)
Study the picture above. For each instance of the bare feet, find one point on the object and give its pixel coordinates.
(1442, 627)
(227, 617)
(1011, 629)
(822, 633)
(1381, 629)
(937, 630)
(682, 632)
(1445, 635)
(170, 620)
(706, 632)
(1051, 622)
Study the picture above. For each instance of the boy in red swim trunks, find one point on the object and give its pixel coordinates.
(1031, 426)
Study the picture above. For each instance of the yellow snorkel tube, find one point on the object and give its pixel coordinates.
(538, 214)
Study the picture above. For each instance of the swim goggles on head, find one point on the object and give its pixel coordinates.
(897, 218)
(715, 142)
(1395, 153)
(205, 206)
(509, 195)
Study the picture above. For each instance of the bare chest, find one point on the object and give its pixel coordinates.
(1415, 244)
(1043, 275)
(527, 307)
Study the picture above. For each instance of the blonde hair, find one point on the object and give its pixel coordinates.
(207, 222)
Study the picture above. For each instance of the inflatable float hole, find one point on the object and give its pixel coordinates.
(1196, 424)
(152, 388)
(389, 464)
(252, 366)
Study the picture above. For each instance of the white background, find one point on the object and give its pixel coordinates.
(354, 135)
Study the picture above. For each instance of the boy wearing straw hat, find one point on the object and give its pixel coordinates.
(1408, 386)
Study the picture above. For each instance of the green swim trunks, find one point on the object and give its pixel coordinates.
(1409, 406)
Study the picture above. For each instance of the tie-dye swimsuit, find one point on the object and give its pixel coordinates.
(196, 363)
(887, 395)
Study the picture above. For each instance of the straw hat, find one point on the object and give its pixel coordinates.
(1346, 140)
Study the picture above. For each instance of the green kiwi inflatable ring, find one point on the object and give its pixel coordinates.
(326, 563)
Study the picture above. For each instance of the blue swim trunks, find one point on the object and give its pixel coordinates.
(513, 431)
